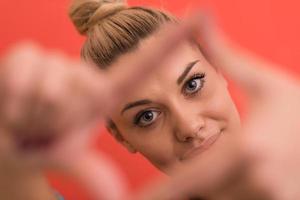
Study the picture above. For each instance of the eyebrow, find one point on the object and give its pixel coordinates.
(134, 104)
(188, 68)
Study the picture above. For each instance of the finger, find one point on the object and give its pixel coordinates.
(272, 138)
(5, 146)
(198, 176)
(17, 81)
(97, 174)
(101, 177)
(120, 80)
(253, 74)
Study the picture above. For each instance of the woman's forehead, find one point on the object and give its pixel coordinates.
(178, 60)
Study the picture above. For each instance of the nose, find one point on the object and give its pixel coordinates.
(188, 125)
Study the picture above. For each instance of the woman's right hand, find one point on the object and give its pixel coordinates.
(45, 100)
(48, 103)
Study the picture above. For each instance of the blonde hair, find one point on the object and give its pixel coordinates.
(112, 28)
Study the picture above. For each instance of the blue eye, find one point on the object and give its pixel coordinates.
(146, 118)
(194, 84)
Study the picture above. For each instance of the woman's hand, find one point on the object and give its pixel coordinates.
(264, 162)
(49, 103)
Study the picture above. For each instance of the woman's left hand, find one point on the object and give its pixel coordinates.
(264, 162)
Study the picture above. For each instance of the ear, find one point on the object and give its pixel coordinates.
(113, 130)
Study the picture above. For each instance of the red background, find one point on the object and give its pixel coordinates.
(270, 28)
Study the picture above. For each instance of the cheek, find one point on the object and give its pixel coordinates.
(218, 103)
(156, 146)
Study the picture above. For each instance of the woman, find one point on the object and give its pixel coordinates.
(182, 110)
(168, 128)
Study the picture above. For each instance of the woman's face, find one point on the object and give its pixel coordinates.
(180, 112)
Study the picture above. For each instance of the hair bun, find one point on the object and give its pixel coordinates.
(87, 13)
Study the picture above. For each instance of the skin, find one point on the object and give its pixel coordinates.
(179, 113)
(34, 138)
(263, 161)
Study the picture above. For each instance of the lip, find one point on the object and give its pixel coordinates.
(205, 145)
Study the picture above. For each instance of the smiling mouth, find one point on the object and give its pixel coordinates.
(205, 145)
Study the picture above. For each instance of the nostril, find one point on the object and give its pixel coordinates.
(188, 139)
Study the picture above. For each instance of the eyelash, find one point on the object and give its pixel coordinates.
(139, 116)
(201, 77)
